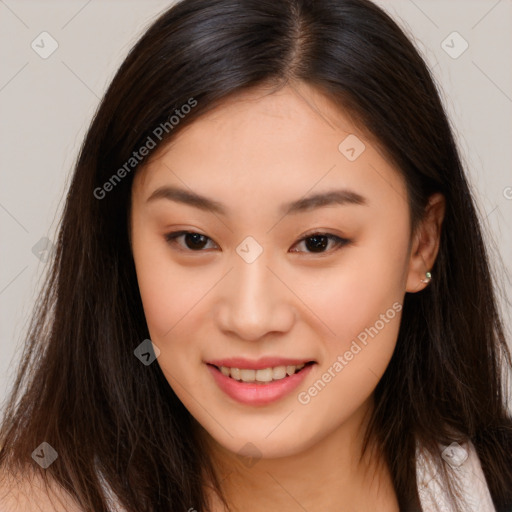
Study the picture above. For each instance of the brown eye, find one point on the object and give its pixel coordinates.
(193, 241)
(317, 242)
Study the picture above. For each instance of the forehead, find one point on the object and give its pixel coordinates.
(274, 145)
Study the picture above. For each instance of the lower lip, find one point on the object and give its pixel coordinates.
(258, 394)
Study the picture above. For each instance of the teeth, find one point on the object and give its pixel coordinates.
(279, 372)
(247, 375)
(264, 375)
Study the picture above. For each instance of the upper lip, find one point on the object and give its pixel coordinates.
(257, 364)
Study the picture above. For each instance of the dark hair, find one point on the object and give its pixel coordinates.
(79, 386)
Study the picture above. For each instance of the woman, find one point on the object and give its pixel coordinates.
(270, 290)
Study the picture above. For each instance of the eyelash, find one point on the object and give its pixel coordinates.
(340, 242)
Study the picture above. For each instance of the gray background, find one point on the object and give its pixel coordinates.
(47, 104)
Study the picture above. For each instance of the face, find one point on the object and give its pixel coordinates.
(271, 244)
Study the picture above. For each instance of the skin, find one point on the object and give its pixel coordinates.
(252, 153)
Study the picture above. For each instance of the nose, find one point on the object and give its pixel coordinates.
(253, 301)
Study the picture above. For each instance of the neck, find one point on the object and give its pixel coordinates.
(328, 474)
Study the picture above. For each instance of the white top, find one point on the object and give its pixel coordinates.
(465, 464)
(433, 497)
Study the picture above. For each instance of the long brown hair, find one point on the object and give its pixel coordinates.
(79, 386)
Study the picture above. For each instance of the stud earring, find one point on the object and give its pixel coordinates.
(428, 276)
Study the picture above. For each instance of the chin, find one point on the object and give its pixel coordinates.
(258, 438)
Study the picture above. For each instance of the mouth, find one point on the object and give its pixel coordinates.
(261, 376)
(266, 382)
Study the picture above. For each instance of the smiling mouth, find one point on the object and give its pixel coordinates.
(262, 376)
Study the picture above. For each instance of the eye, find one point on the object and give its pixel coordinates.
(193, 241)
(314, 242)
(317, 242)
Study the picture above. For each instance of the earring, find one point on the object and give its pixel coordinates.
(428, 276)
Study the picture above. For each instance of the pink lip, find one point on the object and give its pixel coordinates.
(258, 394)
(259, 364)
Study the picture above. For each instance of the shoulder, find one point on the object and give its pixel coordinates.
(28, 493)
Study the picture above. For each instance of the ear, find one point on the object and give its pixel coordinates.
(425, 243)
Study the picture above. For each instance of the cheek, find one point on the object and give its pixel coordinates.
(169, 295)
(351, 297)
(366, 323)
(156, 286)
(169, 291)
(360, 306)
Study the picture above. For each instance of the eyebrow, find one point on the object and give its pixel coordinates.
(329, 198)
